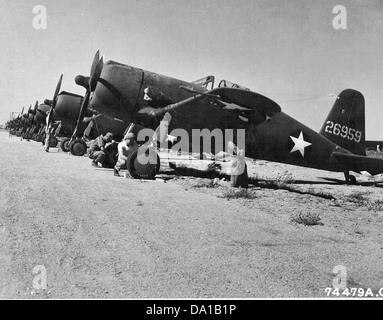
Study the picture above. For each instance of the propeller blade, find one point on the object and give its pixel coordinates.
(35, 112)
(58, 87)
(95, 76)
(83, 108)
(90, 85)
(95, 62)
(111, 88)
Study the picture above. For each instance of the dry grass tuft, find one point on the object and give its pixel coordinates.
(239, 194)
(307, 219)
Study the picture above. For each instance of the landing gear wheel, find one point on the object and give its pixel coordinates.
(78, 147)
(53, 142)
(350, 179)
(65, 146)
(38, 138)
(147, 170)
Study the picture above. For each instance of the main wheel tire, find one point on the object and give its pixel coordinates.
(38, 138)
(53, 142)
(64, 145)
(147, 170)
(78, 147)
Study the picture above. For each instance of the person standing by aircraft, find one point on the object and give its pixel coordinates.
(49, 131)
(125, 149)
(238, 176)
(97, 151)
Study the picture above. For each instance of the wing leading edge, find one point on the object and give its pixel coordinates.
(248, 105)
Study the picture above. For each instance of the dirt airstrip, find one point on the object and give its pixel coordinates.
(98, 236)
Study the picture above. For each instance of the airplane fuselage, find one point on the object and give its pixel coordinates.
(123, 93)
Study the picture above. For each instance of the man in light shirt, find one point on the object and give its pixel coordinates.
(125, 149)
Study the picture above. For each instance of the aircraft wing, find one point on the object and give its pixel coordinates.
(358, 163)
(242, 106)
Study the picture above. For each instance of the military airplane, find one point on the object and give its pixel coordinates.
(65, 108)
(142, 97)
(14, 123)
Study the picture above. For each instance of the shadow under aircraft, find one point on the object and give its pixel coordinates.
(142, 97)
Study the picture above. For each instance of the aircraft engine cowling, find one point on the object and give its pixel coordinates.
(117, 91)
(30, 118)
(68, 107)
(41, 113)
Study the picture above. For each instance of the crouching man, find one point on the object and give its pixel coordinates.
(97, 151)
(125, 149)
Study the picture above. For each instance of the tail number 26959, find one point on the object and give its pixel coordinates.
(343, 131)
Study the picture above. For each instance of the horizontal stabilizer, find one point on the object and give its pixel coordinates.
(358, 163)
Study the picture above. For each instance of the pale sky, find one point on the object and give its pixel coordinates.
(287, 50)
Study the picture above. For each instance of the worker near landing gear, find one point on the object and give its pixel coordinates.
(97, 151)
(125, 149)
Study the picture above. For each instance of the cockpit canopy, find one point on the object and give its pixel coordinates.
(208, 83)
(228, 84)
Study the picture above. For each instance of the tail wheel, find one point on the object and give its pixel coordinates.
(350, 179)
(65, 146)
(144, 170)
(78, 148)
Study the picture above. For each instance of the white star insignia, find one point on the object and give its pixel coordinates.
(300, 144)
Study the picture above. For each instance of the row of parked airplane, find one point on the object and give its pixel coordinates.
(117, 96)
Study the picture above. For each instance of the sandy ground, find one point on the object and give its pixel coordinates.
(98, 236)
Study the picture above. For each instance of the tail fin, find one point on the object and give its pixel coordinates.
(345, 124)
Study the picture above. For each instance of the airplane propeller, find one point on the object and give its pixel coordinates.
(53, 102)
(33, 112)
(89, 83)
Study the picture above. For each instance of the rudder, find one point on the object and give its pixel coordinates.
(345, 124)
